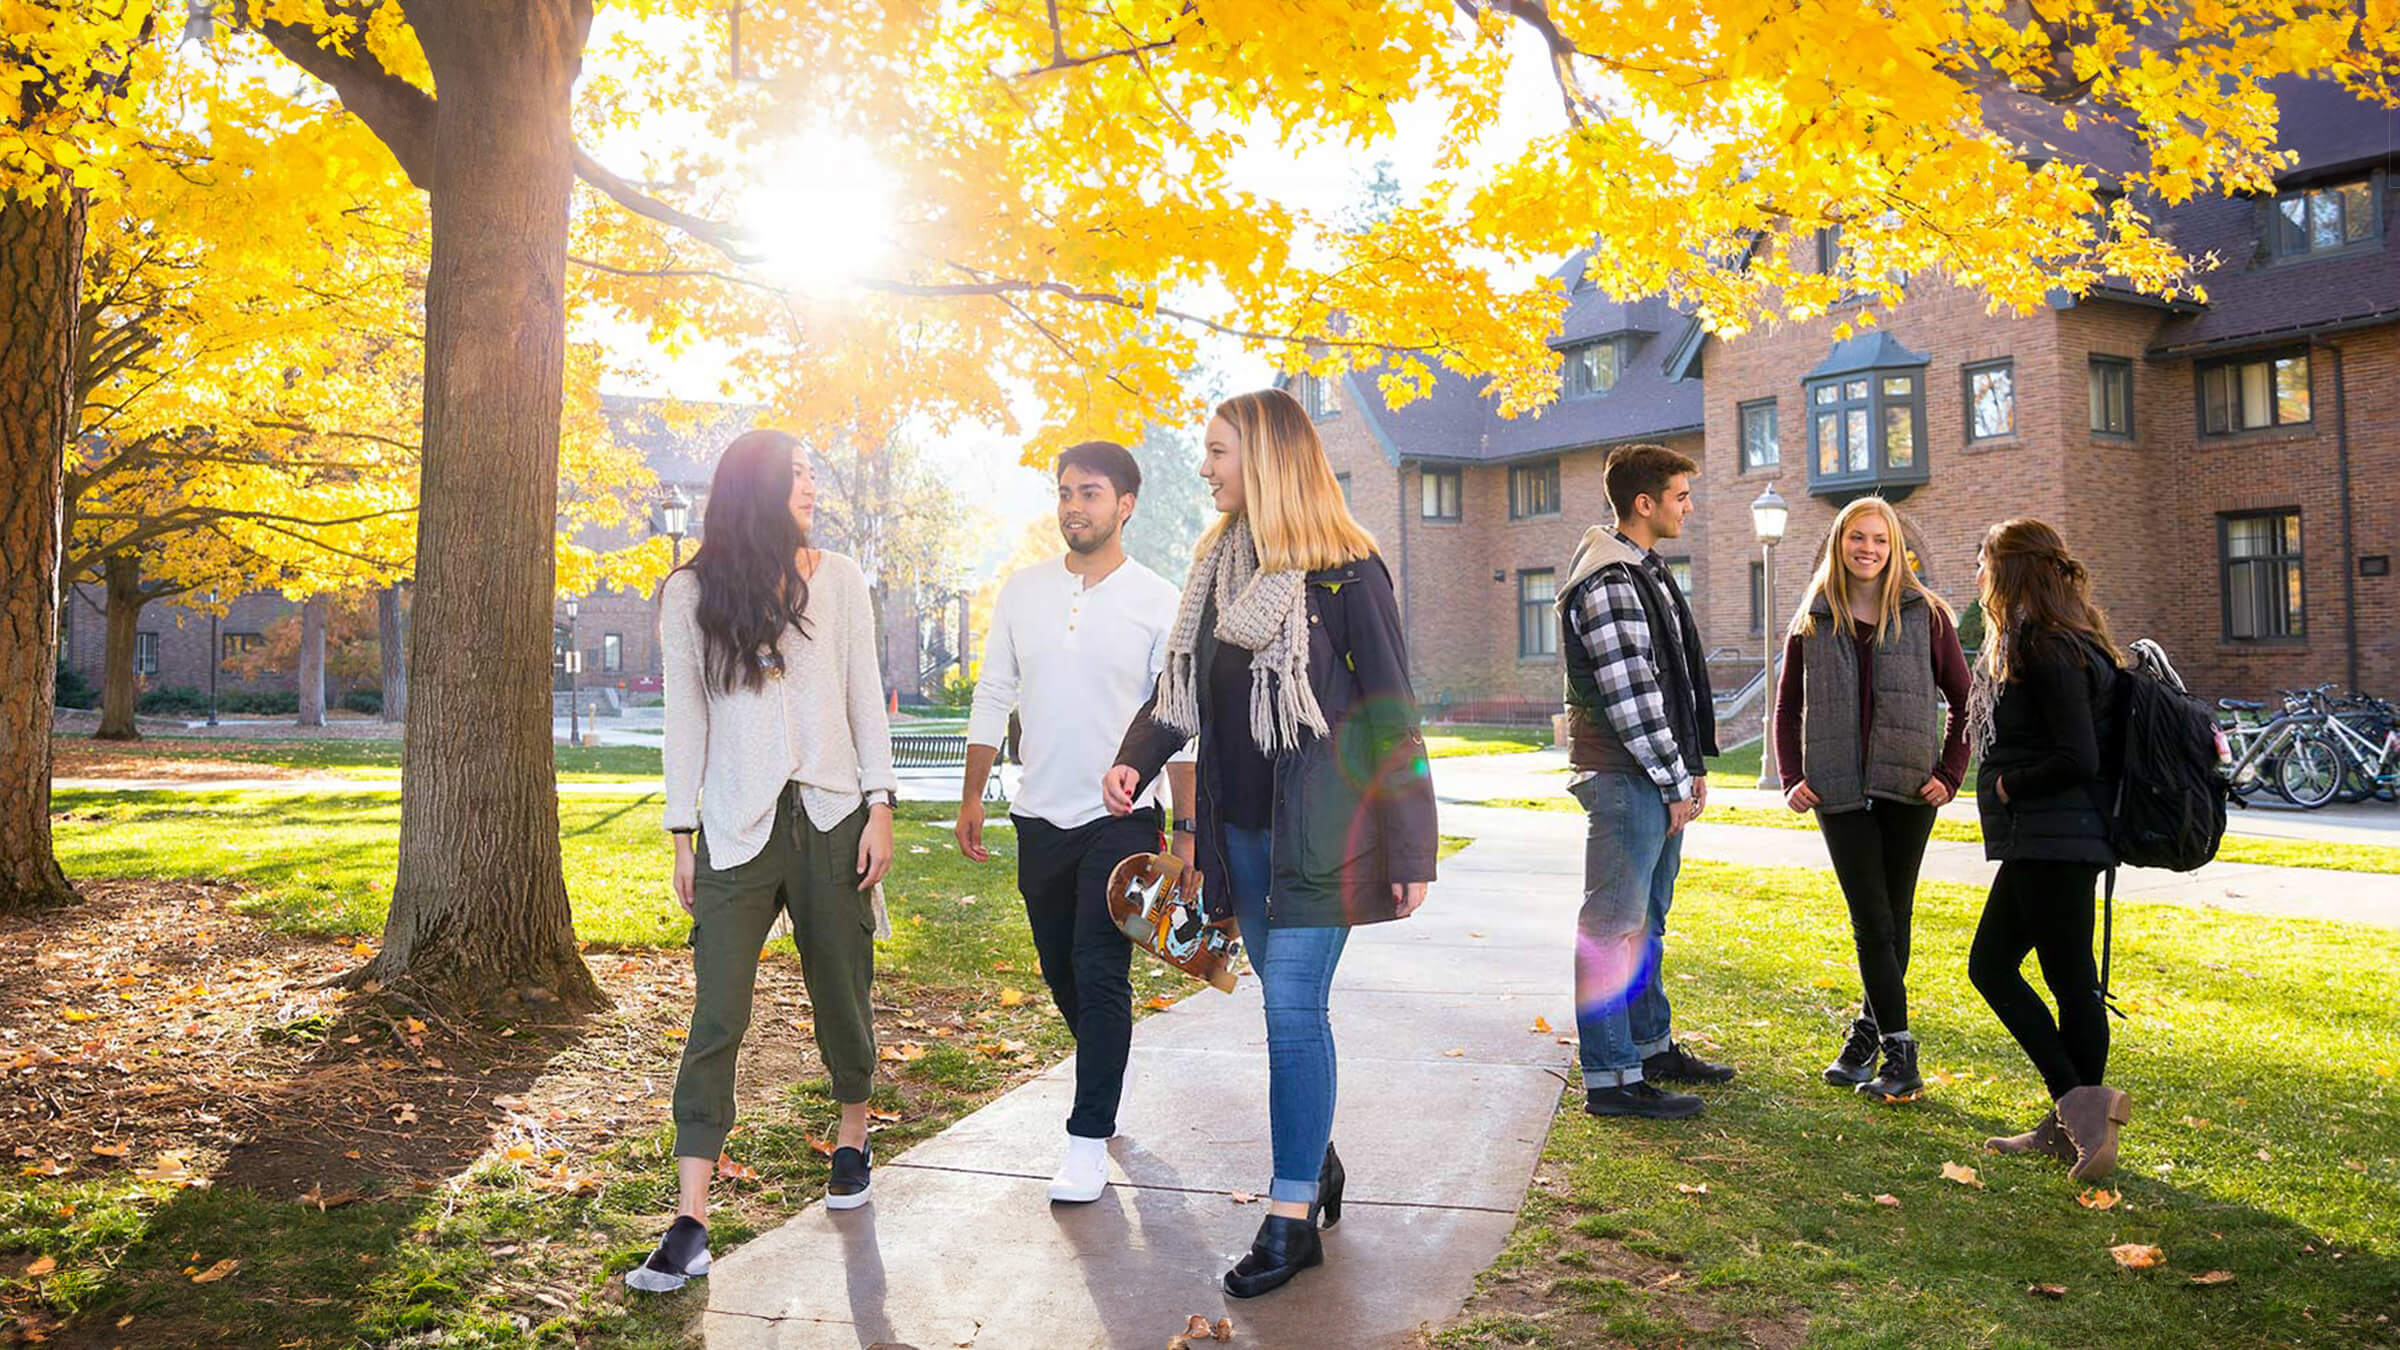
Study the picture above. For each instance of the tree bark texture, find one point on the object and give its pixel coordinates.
(479, 906)
(41, 259)
(311, 677)
(120, 684)
(391, 634)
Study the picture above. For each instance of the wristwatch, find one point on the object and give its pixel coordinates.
(1186, 825)
(884, 797)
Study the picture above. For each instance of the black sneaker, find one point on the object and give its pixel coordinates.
(682, 1256)
(851, 1180)
(1899, 1081)
(1856, 1063)
(1678, 1065)
(1641, 1098)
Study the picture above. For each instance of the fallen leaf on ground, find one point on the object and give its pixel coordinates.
(2354, 1164)
(822, 1147)
(905, 1052)
(1701, 1189)
(727, 1167)
(112, 1150)
(2099, 1199)
(2047, 1290)
(2137, 1255)
(1889, 1201)
(1541, 1026)
(2264, 1156)
(216, 1272)
(42, 1265)
(1963, 1175)
(2196, 1122)
(1223, 1330)
(1158, 1001)
(1453, 1054)
(1243, 1197)
(1010, 998)
(883, 1115)
(2213, 1277)
(1196, 1326)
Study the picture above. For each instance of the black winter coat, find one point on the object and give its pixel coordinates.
(1353, 811)
(2052, 727)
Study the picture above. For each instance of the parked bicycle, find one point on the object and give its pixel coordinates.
(2351, 753)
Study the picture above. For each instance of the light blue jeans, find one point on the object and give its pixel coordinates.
(1629, 868)
(1295, 971)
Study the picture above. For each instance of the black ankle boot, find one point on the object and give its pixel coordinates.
(1899, 1081)
(1329, 1188)
(1283, 1248)
(1856, 1063)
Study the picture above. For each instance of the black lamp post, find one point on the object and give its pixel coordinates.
(1768, 515)
(216, 656)
(574, 669)
(674, 518)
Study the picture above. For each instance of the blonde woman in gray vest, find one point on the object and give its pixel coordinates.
(1871, 734)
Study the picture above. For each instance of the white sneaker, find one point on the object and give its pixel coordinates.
(1083, 1173)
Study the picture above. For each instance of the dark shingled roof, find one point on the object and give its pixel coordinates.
(686, 453)
(1459, 421)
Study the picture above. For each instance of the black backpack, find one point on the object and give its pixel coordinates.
(2169, 810)
(2170, 791)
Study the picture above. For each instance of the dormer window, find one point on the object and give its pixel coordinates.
(1592, 368)
(1866, 419)
(2322, 219)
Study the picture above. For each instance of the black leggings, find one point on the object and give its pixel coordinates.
(2045, 908)
(1876, 854)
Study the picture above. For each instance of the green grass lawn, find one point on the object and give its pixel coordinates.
(368, 759)
(2234, 1162)
(2310, 853)
(468, 1259)
(1452, 741)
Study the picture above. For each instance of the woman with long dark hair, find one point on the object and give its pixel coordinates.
(779, 798)
(1287, 662)
(1871, 734)
(2041, 711)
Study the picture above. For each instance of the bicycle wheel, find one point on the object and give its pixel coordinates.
(2311, 772)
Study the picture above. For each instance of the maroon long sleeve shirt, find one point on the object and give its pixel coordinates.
(1949, 672)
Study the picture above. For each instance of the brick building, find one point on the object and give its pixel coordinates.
(2230, 470)
(1477, 514)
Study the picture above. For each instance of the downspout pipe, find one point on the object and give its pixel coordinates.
(2341, 459)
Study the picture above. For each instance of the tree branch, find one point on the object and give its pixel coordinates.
(399, 113)
(724, 238)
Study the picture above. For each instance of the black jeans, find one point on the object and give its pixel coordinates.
(2045, 908)
(1085, 960)
(1876, 854)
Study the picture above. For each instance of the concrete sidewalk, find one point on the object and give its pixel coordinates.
(1447, 1096)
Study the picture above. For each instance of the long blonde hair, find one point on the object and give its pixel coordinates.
(1297, 514)
(1833, 580)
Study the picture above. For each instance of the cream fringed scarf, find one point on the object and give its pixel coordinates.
(1265, 613)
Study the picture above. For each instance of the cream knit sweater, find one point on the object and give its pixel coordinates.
(819, 724)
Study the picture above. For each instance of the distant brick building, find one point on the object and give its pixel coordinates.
(2229, 470)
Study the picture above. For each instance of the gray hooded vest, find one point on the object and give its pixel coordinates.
(1905, 744)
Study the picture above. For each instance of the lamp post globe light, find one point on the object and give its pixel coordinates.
(675, 518)
(1768, 516)
(216, 657)
(574, 664)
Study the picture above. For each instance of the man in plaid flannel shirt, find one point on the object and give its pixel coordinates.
(1641, 723)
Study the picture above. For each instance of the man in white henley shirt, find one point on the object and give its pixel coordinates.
(1075, 647)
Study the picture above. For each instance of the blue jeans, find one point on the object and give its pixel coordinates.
(1295, 971)
(1629, 867)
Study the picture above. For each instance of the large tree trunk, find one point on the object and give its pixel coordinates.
(41, 257)
(392, 643)
(312, 662)
(479, 908)
(120, 684)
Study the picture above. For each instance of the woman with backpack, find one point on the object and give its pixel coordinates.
(1315, 810)
(1870, 733)
(2041, 710)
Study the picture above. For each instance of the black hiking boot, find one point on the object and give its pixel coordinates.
(1856, 1064)
(1678, 1065)
(1643, 1099)
(1899, 1081)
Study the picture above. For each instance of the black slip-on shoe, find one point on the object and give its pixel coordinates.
(682, 1256)
(852, 1179)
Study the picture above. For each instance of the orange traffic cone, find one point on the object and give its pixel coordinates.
(895, 704)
